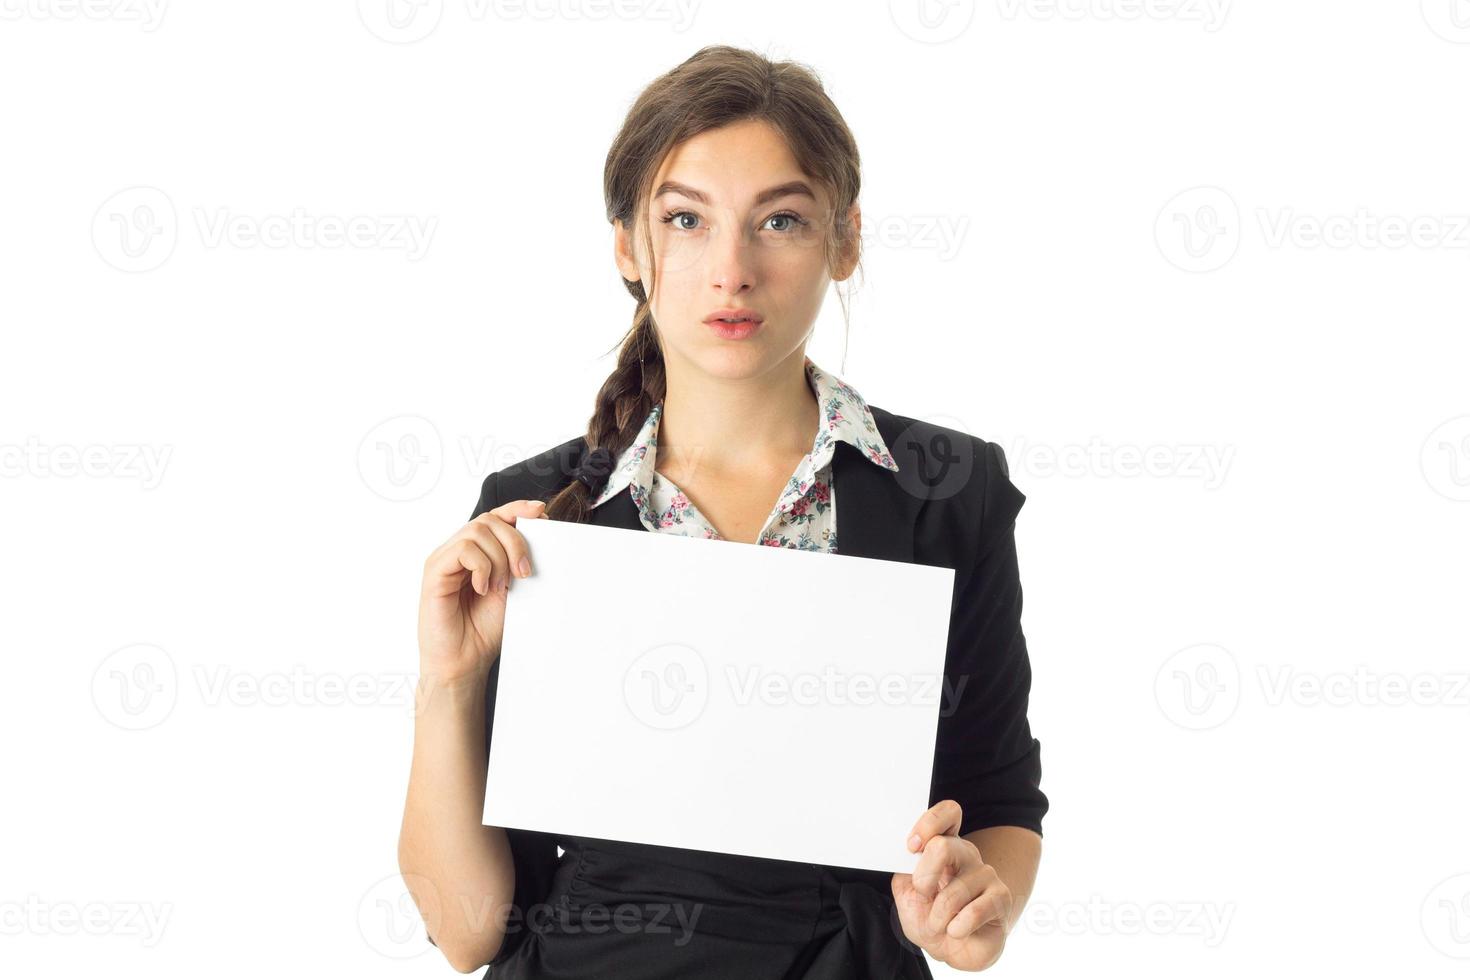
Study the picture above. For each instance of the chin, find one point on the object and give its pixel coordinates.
(733, 360)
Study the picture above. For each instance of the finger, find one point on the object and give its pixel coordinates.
(989, 906)
(943, 817)
(516, 545)
(963, 889)
(496, 539)
(937, 864)
(445, 570)
(500, 522)
(912, 908)
(512, 509)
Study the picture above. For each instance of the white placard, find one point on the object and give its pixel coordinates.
(718, 695)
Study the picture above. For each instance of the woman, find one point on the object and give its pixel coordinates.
(732, 191)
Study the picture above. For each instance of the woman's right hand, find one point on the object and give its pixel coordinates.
(462, 603)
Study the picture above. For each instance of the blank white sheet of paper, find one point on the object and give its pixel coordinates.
(717, 695)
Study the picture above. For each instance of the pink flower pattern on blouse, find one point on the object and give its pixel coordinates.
(804, 515)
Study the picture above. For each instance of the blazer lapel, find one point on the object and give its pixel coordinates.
(618, 511)
(875, 514)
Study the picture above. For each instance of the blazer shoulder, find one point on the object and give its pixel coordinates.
(939, 449)
(963, 478)
(538, 477)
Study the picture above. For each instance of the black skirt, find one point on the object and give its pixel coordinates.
(640, 912)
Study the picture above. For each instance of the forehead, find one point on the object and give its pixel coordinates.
(733, 164)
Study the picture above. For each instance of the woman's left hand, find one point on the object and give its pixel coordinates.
(954, 906)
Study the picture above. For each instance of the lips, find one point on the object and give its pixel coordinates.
(734, 315)
(738, 330)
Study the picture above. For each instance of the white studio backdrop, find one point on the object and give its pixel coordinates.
(281, 282)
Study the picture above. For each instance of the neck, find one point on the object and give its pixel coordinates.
(732, 425)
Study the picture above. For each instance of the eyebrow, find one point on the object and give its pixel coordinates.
(770, 194)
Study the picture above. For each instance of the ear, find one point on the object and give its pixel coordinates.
(623, 252)
(848, 255)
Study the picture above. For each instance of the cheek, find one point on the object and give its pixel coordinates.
(678, 282)
(798, 271)
(680, 258)
(800, 258)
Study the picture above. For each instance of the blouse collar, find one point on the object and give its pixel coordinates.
(845, 416)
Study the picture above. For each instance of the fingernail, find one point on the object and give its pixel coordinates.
(525, 566)
(913, 842)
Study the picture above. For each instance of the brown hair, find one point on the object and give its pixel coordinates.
(715, 86)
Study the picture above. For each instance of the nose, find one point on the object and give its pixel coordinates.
(732, 262)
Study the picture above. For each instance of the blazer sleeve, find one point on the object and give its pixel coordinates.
(985, 756)
(533, 853)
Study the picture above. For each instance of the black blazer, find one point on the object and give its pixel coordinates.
(952, 504)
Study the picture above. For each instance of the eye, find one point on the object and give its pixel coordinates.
(672, 216)
(795, 221)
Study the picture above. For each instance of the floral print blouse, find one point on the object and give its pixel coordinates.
(804, 516)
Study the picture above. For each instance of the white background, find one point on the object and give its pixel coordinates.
(1096, 229)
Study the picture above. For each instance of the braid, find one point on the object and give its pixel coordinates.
(623, 404)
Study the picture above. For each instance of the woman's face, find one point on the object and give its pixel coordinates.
(735, 225)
